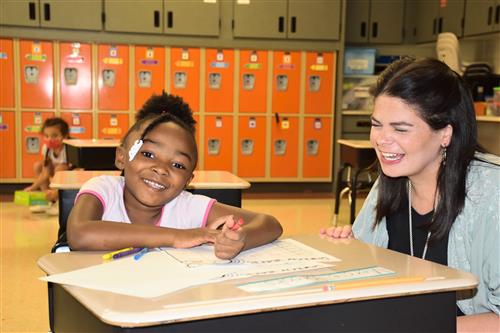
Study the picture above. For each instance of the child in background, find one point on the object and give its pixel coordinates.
(54, 131)
(148, 206)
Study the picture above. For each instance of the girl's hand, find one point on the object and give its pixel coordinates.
(186, 238)
(337, 232)
(231, 240)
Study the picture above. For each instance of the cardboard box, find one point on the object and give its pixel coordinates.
(30, 198)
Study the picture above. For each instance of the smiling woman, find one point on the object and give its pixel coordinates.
(149, 201)
(437, 194)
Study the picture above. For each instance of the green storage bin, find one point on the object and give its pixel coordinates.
(26, 198)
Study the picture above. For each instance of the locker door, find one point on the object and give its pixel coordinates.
(195, 18)
(149, 73)
(6, 73)
(251, 146)
(284, 147)
(7, 144)
(32, 140)
(113, 77)
(185, 75)
(317, 158)
(37, 80)
(219, 80)
(286, 82)
(80, 124)
(76, 76)
(319, 82)
(253, 81)
(112, 126)
(218, 143)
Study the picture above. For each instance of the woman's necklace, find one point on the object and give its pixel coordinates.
(410, 222)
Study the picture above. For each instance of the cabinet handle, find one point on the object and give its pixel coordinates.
(363, 29)
(363, 123)
(497, 14)
(156, 18)
(490, 14)
(375, 29)
(170, 19)
(32, 10)
(294, 24)
(434, 26)
(440, 25)
(281, 24)
(46, 11)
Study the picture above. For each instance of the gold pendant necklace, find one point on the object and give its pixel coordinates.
(410, 225)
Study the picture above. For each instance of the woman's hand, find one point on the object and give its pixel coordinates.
(337, 232)
(231, 240)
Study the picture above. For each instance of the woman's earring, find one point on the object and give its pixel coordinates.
(443, 155)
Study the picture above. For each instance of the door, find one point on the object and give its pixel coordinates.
(319, 19)
(479, 17)
(357, 18)
(386, 22)
(426, 22)
(74, 14)
(260, 19)
(133, 16)
(451, 14)
(194, 17)
(20, 12)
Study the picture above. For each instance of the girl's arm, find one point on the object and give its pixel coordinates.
(87, 231)
(484, 322)
(257, 229)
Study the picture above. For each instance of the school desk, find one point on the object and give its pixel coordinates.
(220, 185)
(420, 306)
(357, 157)
(91, 154)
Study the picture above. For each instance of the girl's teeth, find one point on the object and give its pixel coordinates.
(154, 185)
(391, 156)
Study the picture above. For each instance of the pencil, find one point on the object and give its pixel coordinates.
(371, 283)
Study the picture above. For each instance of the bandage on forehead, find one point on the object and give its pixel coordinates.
(134, 149)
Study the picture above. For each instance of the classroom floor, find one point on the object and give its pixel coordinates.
(24, 237)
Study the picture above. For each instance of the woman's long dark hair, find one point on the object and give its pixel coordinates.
(441, 98)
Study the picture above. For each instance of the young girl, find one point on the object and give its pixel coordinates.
(157, 157)
(54, 131)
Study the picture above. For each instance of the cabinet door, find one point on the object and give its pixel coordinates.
(386, 21)
(479, 17)
(314, 19)
(426, 22)
(357, 20)
(75, 14)
(451, 16)
(260, 19)
(195, 17)
(19, 12)
(496, 25)
(133, 16)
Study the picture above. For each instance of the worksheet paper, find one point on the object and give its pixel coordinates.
(158, 272)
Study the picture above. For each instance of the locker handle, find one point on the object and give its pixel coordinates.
(434, 23)
(497, 14)
(363, 29)
(281, 24)
(375, 29)
(32, 10)
(294, 24)
(440, 25)
(363, 123)
(156, 18)
(46, 11)
(277, 118)
(170, 19)
(490, 14)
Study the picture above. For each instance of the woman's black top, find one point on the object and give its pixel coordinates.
(399, 237)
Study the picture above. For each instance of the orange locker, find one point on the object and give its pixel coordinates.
(253, 81)
(80, 124)
(149, 73)
(37, 75)
(317, 147)
(76, 76)
(252, 146)
(218, 143)
(112, 125)
(6, 73)
(319, 82)
(286, 82)
(284, 150)
(113, 77)
(219, 80)
(185, 75)
(7, 144)
(32, 140)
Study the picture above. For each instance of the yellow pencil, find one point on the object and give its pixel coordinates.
(372, 283)
(110, 255)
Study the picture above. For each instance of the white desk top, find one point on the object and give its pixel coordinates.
(225, 299)
(358, 144)
(89, 143)
(203, 179)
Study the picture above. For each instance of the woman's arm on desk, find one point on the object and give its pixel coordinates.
(483, 322)
(337, 232)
